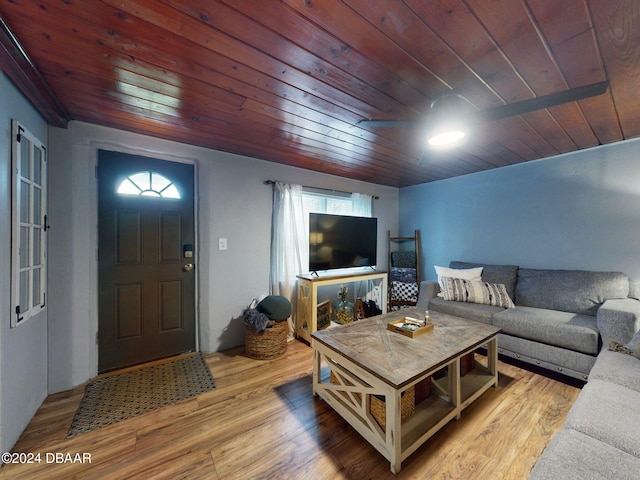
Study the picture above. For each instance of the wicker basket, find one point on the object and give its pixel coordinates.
(378, 407)
(272, 343)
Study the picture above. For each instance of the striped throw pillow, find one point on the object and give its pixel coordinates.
(473, 291)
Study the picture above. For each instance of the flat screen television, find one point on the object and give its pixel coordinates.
(341, 241)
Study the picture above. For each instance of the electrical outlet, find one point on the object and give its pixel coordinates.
(222, 243)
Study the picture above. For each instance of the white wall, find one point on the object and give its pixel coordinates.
(572, 211)
(232, 202)
(23, 350)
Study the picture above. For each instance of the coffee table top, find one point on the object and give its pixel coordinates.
(397, 359)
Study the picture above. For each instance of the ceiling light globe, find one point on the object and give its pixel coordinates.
(446, 138)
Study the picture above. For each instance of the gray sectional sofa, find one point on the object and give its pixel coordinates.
(567, 321)
(559, 316)
(600, 438)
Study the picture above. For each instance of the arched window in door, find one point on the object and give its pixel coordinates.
(148, 184)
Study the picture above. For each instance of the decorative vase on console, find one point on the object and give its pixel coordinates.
(344, 308)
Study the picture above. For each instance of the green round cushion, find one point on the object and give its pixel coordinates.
(276, 307)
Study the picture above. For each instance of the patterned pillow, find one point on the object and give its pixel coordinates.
(473, 291)
(466, 273)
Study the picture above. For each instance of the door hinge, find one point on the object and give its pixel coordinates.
(46, 224)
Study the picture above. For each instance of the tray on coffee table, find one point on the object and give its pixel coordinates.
(409, 327)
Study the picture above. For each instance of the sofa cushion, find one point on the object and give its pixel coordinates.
(504, 274)
(618, 319)
(576, 291)
(557, 359)
(634, 289)
(617, 368)
(634, 343)
(562, 329)
(428, 290)
(472, 311)
(466, 273)
(461, 290)
(608, 412)
(572, 455)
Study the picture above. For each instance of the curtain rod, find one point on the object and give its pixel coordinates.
(271, 182)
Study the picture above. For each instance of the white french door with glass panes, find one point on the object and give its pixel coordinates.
(28, 244)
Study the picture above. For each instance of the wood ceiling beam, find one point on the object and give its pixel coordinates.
(15, 62)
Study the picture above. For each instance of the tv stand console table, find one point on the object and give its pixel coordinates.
(307, 313)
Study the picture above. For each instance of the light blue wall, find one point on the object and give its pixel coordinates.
(574, 211)
(23, 350)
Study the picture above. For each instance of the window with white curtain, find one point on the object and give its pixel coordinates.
(339, 203)
(29, 207)
(336, 203)
(318, 202)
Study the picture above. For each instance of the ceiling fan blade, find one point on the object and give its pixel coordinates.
(511, 109)
(545, 101)
(422, 157)
(389, 123)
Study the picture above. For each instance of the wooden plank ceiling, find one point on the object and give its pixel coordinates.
(288, 81)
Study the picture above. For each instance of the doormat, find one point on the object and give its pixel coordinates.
(125, 395)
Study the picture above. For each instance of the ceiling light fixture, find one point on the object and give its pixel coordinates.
(447, 136)
(448, 125)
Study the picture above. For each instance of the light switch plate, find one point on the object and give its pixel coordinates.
(222, 243)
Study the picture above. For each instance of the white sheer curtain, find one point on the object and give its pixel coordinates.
(362, 207)
(289, 244)
(361, 204)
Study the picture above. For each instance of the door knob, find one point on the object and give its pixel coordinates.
(188, 267)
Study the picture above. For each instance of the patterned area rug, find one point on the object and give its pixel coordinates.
(118, 397)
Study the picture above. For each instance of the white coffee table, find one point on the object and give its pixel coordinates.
(367, 359)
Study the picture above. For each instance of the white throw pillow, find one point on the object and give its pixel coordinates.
(474, 274)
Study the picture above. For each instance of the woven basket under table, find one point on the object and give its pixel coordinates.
(272, 343)
(378, 407)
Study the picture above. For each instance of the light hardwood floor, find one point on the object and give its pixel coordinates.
(262, 422)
